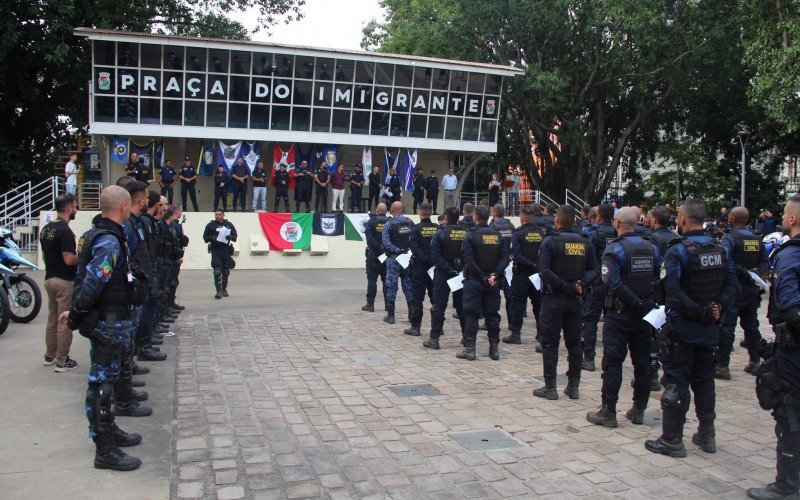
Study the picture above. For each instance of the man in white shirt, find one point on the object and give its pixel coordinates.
(70, 172)
(449, 184)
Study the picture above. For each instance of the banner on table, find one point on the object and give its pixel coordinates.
(329, 224)
(354, 225)
(287, 231)
(120, 152)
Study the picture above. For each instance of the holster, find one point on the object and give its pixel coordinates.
(613, 303)
(88, 322)
(670, 349)
(785, 338)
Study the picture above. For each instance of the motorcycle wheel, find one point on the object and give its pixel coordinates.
(28, 299)
(4, 310)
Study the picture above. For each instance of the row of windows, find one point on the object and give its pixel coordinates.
(301, 119)
(198, 59)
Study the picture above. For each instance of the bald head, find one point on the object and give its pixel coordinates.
(381, 209)
(115, 204)
(739, 217)
(627, 217)
(397, 208)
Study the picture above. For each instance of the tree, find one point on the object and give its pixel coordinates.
(44, 67)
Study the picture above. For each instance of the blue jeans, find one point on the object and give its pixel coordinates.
(260, 193)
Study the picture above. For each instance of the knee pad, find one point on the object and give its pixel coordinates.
(671, 398)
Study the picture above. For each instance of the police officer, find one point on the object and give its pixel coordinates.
(302, 191)
(356, 188)
(221, 250)
(629, 268)
(322, 179)
(784, 371)
(142, 171)
(183, 242)
(566, 263)
(282, 181)
(220, 188)
(432, 189)
(101, 307)
(468, 222)
(485, 260)
(396, 239)
(132, 165)
(375, 186)
(748, 254)
(421, 282)
(447, 248)
(373, 232)
(239, 175)
(699, 283)
(169, 256)
(506, 229)
(541, 220)
(146, 351)
(166, 179)
(394, 186)
(419, 188)
(601, 236)
(188, 178)
(260, 188)
(591, 222)
(525, 244)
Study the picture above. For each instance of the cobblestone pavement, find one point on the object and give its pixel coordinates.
(298, 404)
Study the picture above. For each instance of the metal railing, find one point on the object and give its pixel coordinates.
(21, 205)
(573, 199)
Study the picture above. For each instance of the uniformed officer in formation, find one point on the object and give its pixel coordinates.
(356, 188)
(421, 282)
(373, 233)
(220, 188)
(303, 181)
(566, 264)
(394, 187)
(600, 236)
(239, 175)
(432, 190)
(447, 248)
(485, 260)
(101, 310)
(749, 256)
(506, 229)
(779, 378)
(183, 242)
(166, 179)
(467, 221)
(188, 177)
(221, 250)
(419, 188)
(629, 267)
(541, 220)
(396, 239)
(699, 283)
(282, 181)
(525, 244)
(321, 179)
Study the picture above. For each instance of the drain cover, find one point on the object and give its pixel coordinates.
(488, 440)
(371, 359)
(484, 351)
(409, 391)
(652, 418)
(338, 337)
(561, 380)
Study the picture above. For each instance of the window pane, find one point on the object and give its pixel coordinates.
(402, 76)
(126, 110)
(471, 128)
(344, 70)
(237, 115)
(128, 54)
(172, 111)
(490, 104)
(302, 93)
(324, 69)
(105, 83)
(173, 84)
(282, 91)
(488, 129)
(399, 125)
(435, 127)
(173, 57)
(438, 103)
(218, 61)
(284, 64)
(195, 86)
(150, 84)
(384, 74)
(476, 82)
(322, 120)
(473, 105)
(380, 124)
(417, 127)
(262, 64)
(422, 77)
(216, 114)
(493, 84)
(260, 89)
(150, 111)
(360, 122)
(453, 130)
(383, 97)
(193, 113)
(304, 67)
(365, 72)
(240, 62)
(280, 118)
(259, 117)
(151, 56)
(240, 88)
(104, 52)
(343, 96)
(196, 59)
(362, 98)
(217, 87)
(103, 109)
(455, 104)
(341, 121)
(441, 79)
(420, 100)
(323, 93)
(401, 100)
(301, 119)
(458, 81)
(126, 81)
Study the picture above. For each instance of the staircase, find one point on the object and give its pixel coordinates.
(20, 207)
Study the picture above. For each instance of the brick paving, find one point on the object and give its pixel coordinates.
(266, 407)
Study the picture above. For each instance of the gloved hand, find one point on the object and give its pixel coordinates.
(647, 306)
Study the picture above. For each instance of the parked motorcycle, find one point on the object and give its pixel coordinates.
(4, 309)
(21, 291)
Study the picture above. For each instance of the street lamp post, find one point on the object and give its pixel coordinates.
(744, 136)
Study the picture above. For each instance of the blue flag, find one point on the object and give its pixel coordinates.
(407, 178)
(120, 153)
(390, 161)
(160, 157)
(252, 154)
(205, 164)
(331, 157)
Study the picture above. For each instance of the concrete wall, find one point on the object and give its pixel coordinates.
(342, 254)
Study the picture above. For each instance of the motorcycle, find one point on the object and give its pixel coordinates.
(4, 309)
(21, 291)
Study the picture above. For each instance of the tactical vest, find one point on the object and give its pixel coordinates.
(377, 222)
(705, 276)
(452, 244)
(486, 248)
(400, 233)
(638, 271)
(570, 256)
(747, 249)
(152, 234)
(116, 295)
(426, 231)
(506, 229)
(663, 239)
(141, 257)
(605, 235)
(530, 242)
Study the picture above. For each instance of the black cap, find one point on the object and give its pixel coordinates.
(359, 165)
(186, 158)
(433, 171)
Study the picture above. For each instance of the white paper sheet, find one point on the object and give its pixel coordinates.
(456, 283)
(382, 257)
(430, 271)
(760, 282)
(222, 234)
(404, 259)
(536, 280)
(657, 317)
(509, 272)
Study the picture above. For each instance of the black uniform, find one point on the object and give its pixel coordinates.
(506, 229)
(421, 236)
(373, 233)
(432, 191)
(188, 187)
(374, 190)
(221, 253)
(282, 181)
(419, 189)
(447, 248)
(322, 191)
(356, 191)
(662, 237)
(239, 187)
(525, 244)
(302, 190)
(394, 189)
(220, 190)
(600, 237)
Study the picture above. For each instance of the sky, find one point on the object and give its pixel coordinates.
(327, 23)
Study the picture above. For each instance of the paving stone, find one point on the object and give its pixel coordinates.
(190, 490)
(230, 493)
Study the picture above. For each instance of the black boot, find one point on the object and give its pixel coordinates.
(636, 413)
(514, 338)
(771, 492)
(671, 441)
(588, 365)
(572, 388)
(655, 383)
(150, 353)
(218, 283)
(548, 391)
(138, 383)
(755, 362)
(368, 307)
(124, 439)
(705, 437)
(494, 351)
(605, 416)
(140, 395)
(431, 343)
(413, 331)
(132, 409)
(224, 284)
(723, 360)
(468, 352)
(389, 318)
(109, 456)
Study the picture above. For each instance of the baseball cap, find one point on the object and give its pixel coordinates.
(186, 158)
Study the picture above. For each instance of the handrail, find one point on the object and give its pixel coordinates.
(23, 203)
(570, 198)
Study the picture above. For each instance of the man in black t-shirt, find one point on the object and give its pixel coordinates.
(61, 261)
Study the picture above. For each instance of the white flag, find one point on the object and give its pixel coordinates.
(230, 152)
(366, 160)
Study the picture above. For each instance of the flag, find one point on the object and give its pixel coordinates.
(411, 169)
(120, 154)
(307, 156)
(251, 153)
(280, 156)
(329, 224)
(285, 231)
(317, 157)
(160, 155)
(354, 225)
(366, 161)
(227, 154)
(205, 164)
(389, 161)
(147, 154)
(331, 157)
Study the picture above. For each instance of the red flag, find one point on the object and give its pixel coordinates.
(280, 156)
